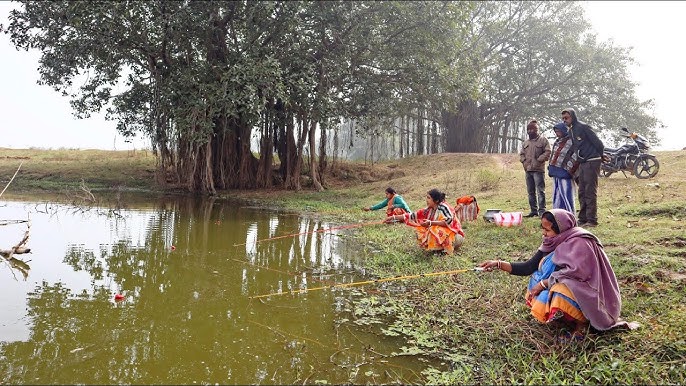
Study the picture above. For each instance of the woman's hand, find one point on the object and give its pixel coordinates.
(537, 289)
(366, 209)
(426, 223)
(490, 265)
(390, 219)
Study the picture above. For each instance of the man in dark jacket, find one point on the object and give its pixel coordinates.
(590, 152)
(535, 152)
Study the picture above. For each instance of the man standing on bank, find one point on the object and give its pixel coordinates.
(535, 152)
(590, 152)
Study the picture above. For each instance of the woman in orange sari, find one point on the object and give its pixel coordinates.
(438, 229)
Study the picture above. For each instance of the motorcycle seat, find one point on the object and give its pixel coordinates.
(622, 149)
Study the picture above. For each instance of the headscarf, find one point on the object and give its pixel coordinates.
(585, 269)
(562, 127)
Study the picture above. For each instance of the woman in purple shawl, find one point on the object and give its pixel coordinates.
(572, 282)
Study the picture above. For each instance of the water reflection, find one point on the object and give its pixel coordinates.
(9, 255)
(186, 317)
(18, 265)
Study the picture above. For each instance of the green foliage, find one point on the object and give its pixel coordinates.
(217, 73)
(537, 58)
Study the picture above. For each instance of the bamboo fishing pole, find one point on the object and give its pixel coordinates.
(317, 231)
(344, 285)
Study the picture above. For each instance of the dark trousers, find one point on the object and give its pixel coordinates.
(535, 187)
(588, 191)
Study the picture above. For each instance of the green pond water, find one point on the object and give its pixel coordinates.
(186, 316)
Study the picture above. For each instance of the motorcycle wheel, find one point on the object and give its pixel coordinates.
(646, 167)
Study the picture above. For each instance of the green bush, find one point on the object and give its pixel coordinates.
(487, 180)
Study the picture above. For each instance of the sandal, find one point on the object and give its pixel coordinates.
(568, 337)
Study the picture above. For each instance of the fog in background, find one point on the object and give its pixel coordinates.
(37, 116)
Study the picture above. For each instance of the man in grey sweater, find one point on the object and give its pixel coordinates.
(535, 152)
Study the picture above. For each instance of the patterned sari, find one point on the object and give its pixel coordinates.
(394, 211)
(390, 210)
(436, 237)
(552, 304)
(564, 191)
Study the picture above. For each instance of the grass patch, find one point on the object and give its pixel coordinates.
(665, 209)
(54, 170)
(476, 323)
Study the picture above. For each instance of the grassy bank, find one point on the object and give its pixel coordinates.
(57, 170)
(476, 322)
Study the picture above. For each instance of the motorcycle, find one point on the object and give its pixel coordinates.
(630, 157)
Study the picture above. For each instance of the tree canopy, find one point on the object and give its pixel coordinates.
(246, 94)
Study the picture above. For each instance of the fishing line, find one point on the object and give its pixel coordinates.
(284, 334)
(317, 231)
(289, 273)
(357, 283)
(267, 268)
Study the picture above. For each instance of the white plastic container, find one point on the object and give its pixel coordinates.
(507, 219)
(488, 216)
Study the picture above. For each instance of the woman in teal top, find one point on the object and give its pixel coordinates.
(394, 204)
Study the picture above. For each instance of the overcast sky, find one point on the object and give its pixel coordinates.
(37, 116)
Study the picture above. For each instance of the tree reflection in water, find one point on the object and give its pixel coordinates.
(186, 317)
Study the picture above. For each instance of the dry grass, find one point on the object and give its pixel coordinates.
(59, 169)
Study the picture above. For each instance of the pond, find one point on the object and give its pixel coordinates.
(184, 272)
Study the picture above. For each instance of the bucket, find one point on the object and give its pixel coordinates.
(507, 219)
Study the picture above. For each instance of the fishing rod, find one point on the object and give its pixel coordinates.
(317, 231)
(394, 278)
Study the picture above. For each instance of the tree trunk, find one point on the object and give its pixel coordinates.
(408, 148)
(292, 180)
(231, 152)
(322, 152)
(334, 159)
(393, 136)
(314, 173)
(402, 136)
(220, 156)
(207, 180)
(434, 138)
(264, 167)
(420, 133)
(464, 130)
(303, 131)
(247, 171)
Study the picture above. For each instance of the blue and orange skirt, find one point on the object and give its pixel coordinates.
(554, 304)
